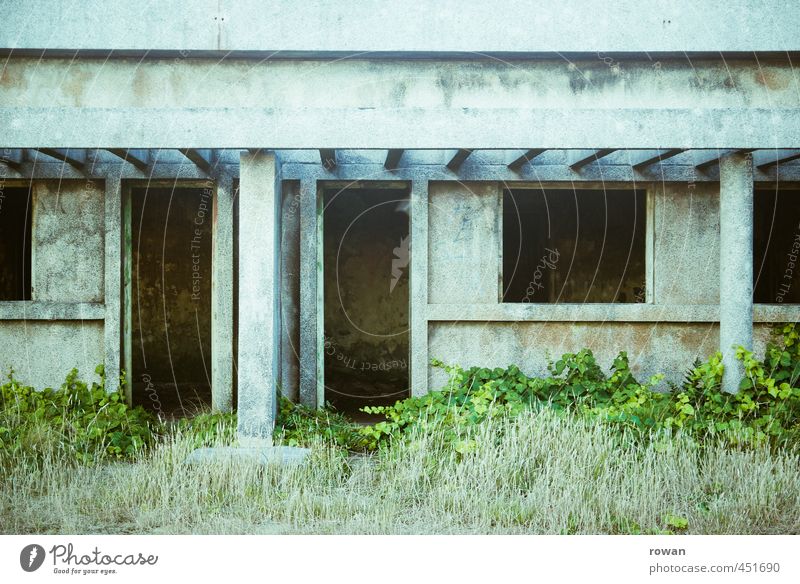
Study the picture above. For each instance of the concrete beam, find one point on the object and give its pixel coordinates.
(298, 128)
(764, 160)
(458, 159)
(735, 263)
(327, 157)
(705, 159)
(220, 26)
(526, 158)
(649, 159)
(138, 158)
(13, 158)
(259, 298)
(581, 158)
(74, 157)
(204, 159)
(393, 157)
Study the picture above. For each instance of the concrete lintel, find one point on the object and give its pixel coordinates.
(735, 263)
(13, 158)
(651, 158)
(581, 158)
(767, 159)
(259, 297)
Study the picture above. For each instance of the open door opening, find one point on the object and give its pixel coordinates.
(366, 296)
(169, 252)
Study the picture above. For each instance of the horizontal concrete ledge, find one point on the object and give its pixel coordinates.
(277, 455)
(427, 25)
(40, 310)
(533, 174)
(600, 313)
(354, 127)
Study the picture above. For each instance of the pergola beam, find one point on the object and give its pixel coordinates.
(12, 157)
(529, 155)
(205, 159)
(393, 157)
(138, 158)
(712, 159)
(458, 158)
(328, 158)
(581, 158)
(74, 157)
(660, 157)
(774, 158)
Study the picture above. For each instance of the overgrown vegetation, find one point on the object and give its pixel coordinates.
(765, 410)
(577, 451)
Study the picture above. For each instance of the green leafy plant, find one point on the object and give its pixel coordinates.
(81, 419)
(298, 425)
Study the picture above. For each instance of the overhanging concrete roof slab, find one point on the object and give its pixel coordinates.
(331, 27)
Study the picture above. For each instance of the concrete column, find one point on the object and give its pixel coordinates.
(736, 263)
(259, 297)
(290, 293)
(311, 315)
(419, 288)
(112, 285)
(222, 297)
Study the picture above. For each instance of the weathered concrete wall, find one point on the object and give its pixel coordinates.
(43, 352)
(67, 267)
(668, 348)
(464, 243)
(67, 248)
(686, 244)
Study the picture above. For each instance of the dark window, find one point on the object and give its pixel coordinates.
(15, 244)
(776, 246)
(565, 245)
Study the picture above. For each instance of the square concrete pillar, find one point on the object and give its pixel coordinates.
(112, 326)
(259, 297)
(736, 263)
(222, 297)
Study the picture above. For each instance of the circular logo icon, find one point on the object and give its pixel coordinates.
(31, 557)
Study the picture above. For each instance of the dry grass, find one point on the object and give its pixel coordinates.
(538, 474)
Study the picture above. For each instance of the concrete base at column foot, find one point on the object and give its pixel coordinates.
(280, 455)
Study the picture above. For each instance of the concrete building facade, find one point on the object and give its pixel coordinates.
(663, 146)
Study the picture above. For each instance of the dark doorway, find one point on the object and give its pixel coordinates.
(776, 246)
(15, 243)
(171, 246)
(366, 296)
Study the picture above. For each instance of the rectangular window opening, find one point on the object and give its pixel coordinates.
(574, 245)
(15, 243)
(776, 246)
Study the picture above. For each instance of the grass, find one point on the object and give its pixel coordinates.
(538, 473)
